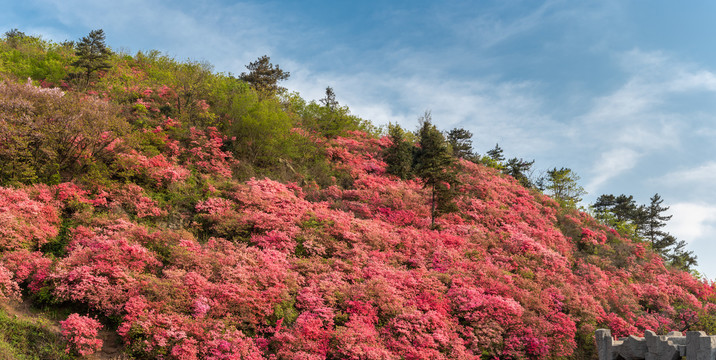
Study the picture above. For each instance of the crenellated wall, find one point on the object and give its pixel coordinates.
(695, 345)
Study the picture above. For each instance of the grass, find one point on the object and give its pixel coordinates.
(24, 338)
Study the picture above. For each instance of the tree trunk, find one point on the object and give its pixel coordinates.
(432, 212)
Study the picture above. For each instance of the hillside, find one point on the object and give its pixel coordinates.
(198, 217)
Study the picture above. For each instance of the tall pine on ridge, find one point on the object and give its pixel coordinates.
(92, 54)
(434, 163)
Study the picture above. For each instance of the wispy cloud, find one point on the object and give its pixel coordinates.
(642, 116)
(610, 164)
(702, 174)
(511, 113)
(491, 30)
(226, 35)
(691, 221)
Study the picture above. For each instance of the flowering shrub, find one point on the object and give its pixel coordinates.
(192, 264)
(162, 171)
(25, 222)
(81, 333)
(8, 288)
(205, 153)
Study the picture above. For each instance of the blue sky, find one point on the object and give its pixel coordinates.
(622, 92)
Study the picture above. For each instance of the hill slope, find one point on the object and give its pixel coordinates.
(132, 200)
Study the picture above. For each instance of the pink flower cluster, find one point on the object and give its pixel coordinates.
(273, 271)
(81, 333)
(28, 218)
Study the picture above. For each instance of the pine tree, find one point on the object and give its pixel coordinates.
(620, 212)
(14, 37)
(92, 54)
(460, 141)
(644, 223)
(655, 221)
(433, 163)
(518, 169)
(681, 258)
(263, 76)
(399, 156)
(496, 154)
(330, 101)
(563, 185)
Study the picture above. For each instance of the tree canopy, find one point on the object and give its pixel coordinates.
(563, 185)
(644, 223)
(264, 76)
(433, 163)
(92, 54)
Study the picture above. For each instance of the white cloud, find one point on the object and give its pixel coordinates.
(491, 30)
(200, 31)
(643, 115)
(691, 221)
(703, 174)
(510, 113)
(611, 164)
(695, 223)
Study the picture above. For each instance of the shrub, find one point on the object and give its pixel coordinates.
(81, 334)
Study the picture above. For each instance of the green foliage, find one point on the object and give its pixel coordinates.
(263, 76)
(262, 131)
(191, 81)
(58, 246)
(563, 186)
(326, 118)
(496, 154)
(92, 54)
(286, 311)
(24, 56)
(644, 223)
(14, 37)
(434, 163)
(399, 156)
(49, 136)
(519, 169)
(460, 141)
(24, 338)
(655, 221)
(662, 242)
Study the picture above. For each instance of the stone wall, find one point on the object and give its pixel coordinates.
(695, 345)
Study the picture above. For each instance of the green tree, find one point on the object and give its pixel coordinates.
(263, 76)
(261, 130)
(681, 258)
(433, 162)
(665, 244)
(644, 222)
(623, 207)
(519, 169)
(29, 56)
(399, 156)
(494, 158)
(563, 186)
(496, 154)
(327, 116)
(655, 221)
(460, 141)
(330, 101)
(620, 212)
(14, 37)
(92, 54)
(192, 81)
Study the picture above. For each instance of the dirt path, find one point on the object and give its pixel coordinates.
(112, 343)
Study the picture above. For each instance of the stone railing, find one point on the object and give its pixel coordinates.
(695, 345)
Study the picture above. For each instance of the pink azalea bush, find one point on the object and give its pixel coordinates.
(266, 270)
(81, 333)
